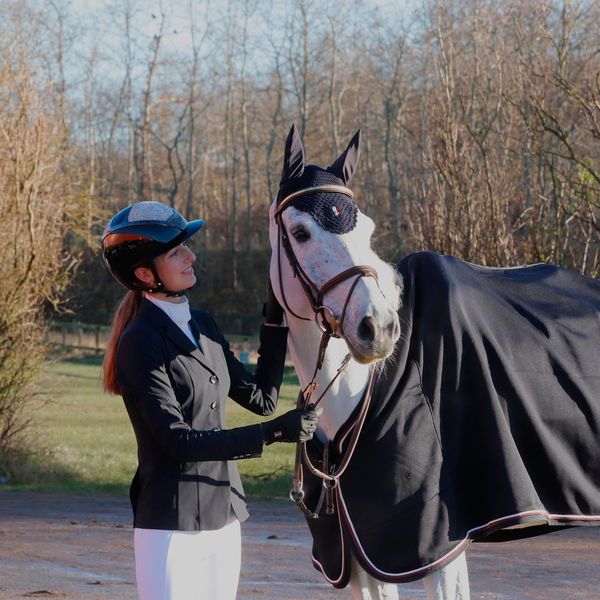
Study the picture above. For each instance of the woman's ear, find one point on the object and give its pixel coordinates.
(144, 274)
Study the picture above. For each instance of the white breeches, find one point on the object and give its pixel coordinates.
(449, 583)
(188, 565)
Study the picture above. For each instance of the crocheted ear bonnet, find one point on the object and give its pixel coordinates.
(322, 193)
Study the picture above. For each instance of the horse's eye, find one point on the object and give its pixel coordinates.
(301, 235)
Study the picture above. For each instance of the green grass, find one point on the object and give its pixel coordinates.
(87, 443)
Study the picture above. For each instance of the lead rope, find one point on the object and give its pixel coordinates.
(330, 478)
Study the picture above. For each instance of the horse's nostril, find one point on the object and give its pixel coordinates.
(367, 330)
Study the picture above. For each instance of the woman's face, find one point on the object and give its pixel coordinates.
(175, 268)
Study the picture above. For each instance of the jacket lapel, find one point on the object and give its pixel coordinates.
(200, 337)
(160, 319)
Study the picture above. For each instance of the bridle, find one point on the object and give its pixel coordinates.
(330, 327)
(313, 293)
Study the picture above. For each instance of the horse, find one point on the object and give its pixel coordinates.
(428, 440)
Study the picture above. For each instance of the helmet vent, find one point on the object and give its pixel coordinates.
(117, 220)
(149, 211)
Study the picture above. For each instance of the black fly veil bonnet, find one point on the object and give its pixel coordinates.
(322, 193)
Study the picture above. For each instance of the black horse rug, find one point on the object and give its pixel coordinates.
(484, 424)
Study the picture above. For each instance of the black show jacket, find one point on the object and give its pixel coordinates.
(175, 395)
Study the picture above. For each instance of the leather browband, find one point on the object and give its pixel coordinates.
(337, 189)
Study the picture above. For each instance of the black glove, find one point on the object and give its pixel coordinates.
(272, 311)
(295, 426)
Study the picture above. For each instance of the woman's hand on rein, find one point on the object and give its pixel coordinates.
(297, 425)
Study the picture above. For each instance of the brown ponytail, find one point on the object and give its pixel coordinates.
(126, 312)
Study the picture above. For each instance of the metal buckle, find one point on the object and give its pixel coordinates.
(333, 322)
(298, 497)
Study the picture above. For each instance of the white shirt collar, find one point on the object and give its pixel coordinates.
(179, 313)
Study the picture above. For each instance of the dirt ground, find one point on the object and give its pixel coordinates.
(75, 546)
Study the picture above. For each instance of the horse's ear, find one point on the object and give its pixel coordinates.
(345, 165)
(293, 159)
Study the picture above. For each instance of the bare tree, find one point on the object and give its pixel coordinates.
(299, 62)
(146, 175)
(479, 126)
(244, 101)
(41, 202)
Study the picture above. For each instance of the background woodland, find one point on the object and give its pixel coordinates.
(480, 123)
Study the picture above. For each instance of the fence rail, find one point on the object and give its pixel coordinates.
(74, 335)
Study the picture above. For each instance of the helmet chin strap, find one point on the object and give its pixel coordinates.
(160, 288)
(177, 294)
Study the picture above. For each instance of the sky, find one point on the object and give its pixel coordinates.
(105, 38)
(179, 24)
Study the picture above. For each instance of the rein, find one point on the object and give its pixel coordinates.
(331, 474)
(332, 327)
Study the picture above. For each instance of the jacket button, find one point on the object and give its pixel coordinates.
(214, 405)
(213, 379)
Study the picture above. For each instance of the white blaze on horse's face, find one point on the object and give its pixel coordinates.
(370, 324)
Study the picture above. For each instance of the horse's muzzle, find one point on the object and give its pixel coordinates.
(375, 339)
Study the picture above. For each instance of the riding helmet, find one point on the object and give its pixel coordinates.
(138, 234)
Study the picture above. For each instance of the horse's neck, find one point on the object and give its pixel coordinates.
(346, 392)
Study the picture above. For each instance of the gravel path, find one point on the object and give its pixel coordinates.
(81, 547)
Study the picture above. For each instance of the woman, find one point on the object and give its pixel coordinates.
(175, 369)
